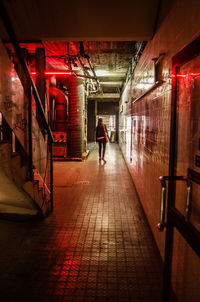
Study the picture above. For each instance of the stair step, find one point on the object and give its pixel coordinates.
(22, 197)
(18, 213)
(36, 189)
(37, 195)
(14, 202)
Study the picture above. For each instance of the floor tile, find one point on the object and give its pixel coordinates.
(95, 246)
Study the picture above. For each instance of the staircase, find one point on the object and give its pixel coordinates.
(23, 116)
(20, 197)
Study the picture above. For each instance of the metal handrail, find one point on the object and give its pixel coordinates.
(155, 85)
(161, 225)
(33, 90)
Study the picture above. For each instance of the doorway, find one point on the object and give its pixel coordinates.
(182, 248)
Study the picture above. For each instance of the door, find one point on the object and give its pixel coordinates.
(182, 247)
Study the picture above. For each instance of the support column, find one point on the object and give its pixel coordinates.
(27, 88)
(40, 74)
(40, 81)
(39, 145)
(75, 126)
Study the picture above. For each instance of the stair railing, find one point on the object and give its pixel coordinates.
(32, 91)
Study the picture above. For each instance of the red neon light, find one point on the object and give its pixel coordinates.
(54, 73)
(57, 72)
(196, 75)
(178, 75)
(184, 75)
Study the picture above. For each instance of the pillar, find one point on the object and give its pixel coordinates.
(76, 118)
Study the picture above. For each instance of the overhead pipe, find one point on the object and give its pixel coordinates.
(88, 75)
(82, 66)
(92, 68)
(80, 54)
(61, 107)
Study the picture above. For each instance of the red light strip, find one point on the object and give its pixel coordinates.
(184, 75)
(178, 75)
(57, 73)
(69, 73)
(54, 73)
(63, 73)
(195, 75)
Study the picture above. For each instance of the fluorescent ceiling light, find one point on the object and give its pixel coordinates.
(101, 73)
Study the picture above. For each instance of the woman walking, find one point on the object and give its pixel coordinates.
(101, 138)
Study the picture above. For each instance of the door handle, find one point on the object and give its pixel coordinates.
(161, 225)
(187, 206)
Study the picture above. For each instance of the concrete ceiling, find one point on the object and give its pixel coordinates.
(109, 59)
(109, 30)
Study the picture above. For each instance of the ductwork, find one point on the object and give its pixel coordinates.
(58, 109)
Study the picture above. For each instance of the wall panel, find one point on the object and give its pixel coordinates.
(145, 131)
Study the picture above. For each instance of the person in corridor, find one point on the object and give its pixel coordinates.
(101, 134)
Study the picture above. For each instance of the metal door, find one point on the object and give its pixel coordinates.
(182, 219)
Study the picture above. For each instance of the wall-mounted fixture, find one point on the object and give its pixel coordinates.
(158, 67)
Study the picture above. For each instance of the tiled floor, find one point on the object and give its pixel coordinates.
(96, 246)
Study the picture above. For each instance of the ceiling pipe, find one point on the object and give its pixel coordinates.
(95, 76)
(82, 54)
(82, 66)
